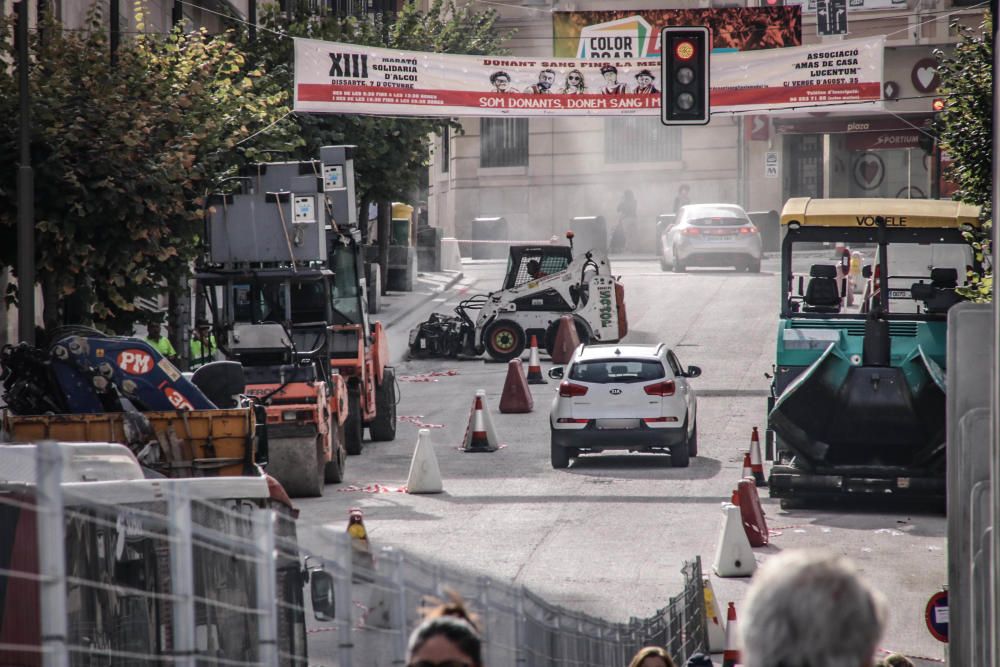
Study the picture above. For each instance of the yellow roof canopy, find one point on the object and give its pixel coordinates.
(862, 212)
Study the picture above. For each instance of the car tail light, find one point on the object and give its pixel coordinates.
(658, 420)
(665, 388)
(750, 229)
(568, 390)
(692, 231)
(570, 420)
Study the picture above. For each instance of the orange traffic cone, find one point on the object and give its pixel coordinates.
(567, 340)
(756, 464)
(731, 656)
(479, 441)
(535, 366)
(516, 396)
(747, 466)
(736, 497)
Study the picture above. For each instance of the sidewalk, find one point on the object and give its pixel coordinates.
(397, 305)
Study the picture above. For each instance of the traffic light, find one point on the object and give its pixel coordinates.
(685, 75)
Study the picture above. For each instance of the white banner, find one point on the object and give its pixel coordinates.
(331, 77)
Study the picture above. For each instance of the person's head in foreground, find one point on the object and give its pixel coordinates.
(651, 656)
(810, 609)
(447, 637)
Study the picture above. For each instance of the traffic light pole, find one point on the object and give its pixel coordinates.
(994, 632)
(25, 192)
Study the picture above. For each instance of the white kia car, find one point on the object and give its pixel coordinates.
(629, 397)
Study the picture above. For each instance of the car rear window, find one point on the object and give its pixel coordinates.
(617, 370)
(719, 221)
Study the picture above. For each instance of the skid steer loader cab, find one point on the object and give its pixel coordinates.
(857, 400)
(528, 263)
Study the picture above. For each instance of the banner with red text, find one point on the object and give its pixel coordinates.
(331, 77)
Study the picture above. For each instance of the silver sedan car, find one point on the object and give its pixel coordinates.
(711, 235)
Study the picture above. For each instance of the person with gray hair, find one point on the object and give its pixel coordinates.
(810, 609)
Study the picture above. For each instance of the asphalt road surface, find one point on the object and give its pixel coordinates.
(608, 534)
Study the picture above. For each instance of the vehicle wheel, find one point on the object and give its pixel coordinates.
(693, 441)
(297, 463)
(333, 471)
(680, 456)
(753, 265)
(678, 264)
(383, 427)
(550, 334)
(353, 426)
(504, 340)
(560, 455)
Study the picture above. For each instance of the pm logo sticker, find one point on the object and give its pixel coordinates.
(135, 362)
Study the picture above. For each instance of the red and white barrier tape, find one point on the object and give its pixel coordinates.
(554, 241)
(373, 488)
(417, 420)
(428, 377)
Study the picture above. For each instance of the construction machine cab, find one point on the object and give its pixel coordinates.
(526, 263)
(273, 321)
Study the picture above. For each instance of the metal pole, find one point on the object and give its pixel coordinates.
(252, 20)
(51, 553)
(399, 583)
(25, 192)
(181, 575)
(267, 595)
(995, 362)
(344, 595)
(114, 19)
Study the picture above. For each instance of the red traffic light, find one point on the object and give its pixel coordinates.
(937, 104)
(684, 50)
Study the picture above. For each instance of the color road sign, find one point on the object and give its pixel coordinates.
(936, 615)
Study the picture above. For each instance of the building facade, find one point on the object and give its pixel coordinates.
(539, 173)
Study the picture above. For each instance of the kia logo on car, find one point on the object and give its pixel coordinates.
(616, 391)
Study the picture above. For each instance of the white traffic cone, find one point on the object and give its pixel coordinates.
(534, 365)
(474, 432)
(731, 656)
(425, 475)
(733, 557)
(713, 616)
(756, 463)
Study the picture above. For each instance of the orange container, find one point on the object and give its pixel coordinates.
(188, 443)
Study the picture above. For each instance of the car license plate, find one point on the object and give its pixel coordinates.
(726, 237)
(899, 294)
(616, 424)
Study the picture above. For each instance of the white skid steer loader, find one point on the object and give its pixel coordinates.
(543, 283)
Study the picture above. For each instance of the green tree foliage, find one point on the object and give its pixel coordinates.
(124, 156)
(966, 132)
(390, 151)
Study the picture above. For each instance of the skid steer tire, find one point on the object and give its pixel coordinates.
(504, 340)
(333, 471)
(354, 429)
(297, 463)
(582, 332)
(383, 427)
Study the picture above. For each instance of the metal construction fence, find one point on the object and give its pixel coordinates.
(210, 571)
